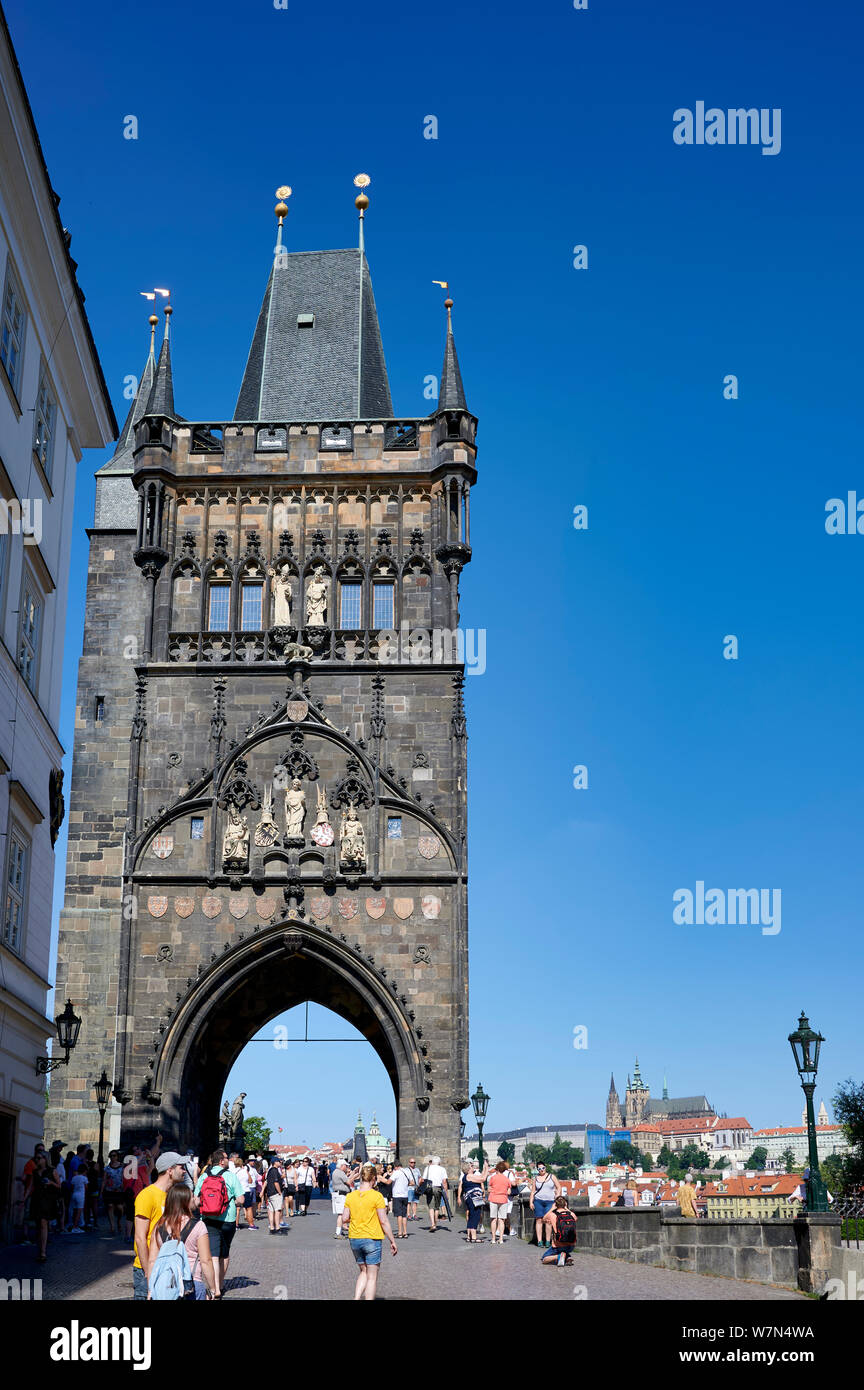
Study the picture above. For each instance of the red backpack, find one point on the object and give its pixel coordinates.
(213, 1198)
(565, 1228)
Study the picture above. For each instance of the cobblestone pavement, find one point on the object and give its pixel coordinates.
(307, 1263)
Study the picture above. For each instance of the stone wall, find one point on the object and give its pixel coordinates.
(794, 1253)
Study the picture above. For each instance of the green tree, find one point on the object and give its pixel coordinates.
(787, 1158)
(722, 1162)
(623, 1152)
(758, 1158)
(535, 1153)
(257, 1134)
(664, 1158)
(848, 1103)
(692, 1157)
(507, 1151)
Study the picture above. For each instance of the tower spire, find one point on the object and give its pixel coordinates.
(451, 395)
(161, 398)
(361, 203)
(138, 408)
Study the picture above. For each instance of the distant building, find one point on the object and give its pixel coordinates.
(639, 1108)
(830, 1139)
(763, 1195)
(718, 1136)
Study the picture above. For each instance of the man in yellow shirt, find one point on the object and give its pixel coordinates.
(149, 1206)
(365, 1215)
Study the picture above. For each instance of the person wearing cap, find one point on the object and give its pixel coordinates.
(149, 1207)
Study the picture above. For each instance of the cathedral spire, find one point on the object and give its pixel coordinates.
(161, 398)
(637, 1077)
(451, 396)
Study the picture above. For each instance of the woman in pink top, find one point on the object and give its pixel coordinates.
(499, 1199)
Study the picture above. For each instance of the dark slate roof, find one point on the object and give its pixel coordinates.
(295, 373)
(675, 1105)
(122, 459)
(161, 398)
(452, 393)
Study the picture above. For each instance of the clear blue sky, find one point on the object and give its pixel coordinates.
(602, 387)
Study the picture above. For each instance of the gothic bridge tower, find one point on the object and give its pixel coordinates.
(268, 799)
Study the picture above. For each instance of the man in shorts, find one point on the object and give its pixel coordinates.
(401, 1192)
(340, 1185)
(274, 1191)
(434, 1174)
(118, 1199)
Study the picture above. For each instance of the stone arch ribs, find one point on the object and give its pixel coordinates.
(266, 972)
(375, 781)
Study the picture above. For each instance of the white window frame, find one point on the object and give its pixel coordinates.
(381, 585)
(217, 584)
(350, 600)
(44, 437)
(34, 643)
(10, 285)
(245, 586)
(15, 894)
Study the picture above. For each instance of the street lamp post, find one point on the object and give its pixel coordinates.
(805, 1046)
(480, 1102)
(103, 1092)
(68, 1026)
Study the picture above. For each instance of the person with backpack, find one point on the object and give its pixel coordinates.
(149, 1206)
(563, 1224)
(218, 1190)
(434, 1183)
(181, 1234)
(544, 1193)
(118, 1200)
(470, 1191)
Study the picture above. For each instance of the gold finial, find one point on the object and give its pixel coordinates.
(167, 311)
(153, 320)
(283, 192)
(361, 202)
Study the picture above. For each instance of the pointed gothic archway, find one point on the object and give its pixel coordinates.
(274, 969)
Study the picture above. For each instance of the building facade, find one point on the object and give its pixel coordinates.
(53, 404)
(269, 780)
(830, 1139)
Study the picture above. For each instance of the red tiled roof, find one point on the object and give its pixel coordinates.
(792, 1129)
(763, 1185)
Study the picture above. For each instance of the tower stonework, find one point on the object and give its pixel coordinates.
(636, 1099)
(614, 1119)
(268, 796)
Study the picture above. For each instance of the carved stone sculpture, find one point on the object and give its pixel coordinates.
(235, 842)
(267, 831)
(295, 810)
(281, 581)
(317, 594)
(352, 840)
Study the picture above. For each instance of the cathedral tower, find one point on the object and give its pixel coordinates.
(636, 1099)
(613, 1108)
(268, 798)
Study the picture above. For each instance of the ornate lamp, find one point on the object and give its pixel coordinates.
(480, 1102)
(68, 1026)
(806, 1046)
(102, 1088)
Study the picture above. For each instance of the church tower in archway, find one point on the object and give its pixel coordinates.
(268, 797)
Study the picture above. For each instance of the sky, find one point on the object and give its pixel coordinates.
(600, 387)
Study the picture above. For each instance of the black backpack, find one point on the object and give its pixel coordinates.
(565, 1227)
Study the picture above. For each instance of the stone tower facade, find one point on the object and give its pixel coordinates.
(614, 1119)
(636, 1099)
(268, 798)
